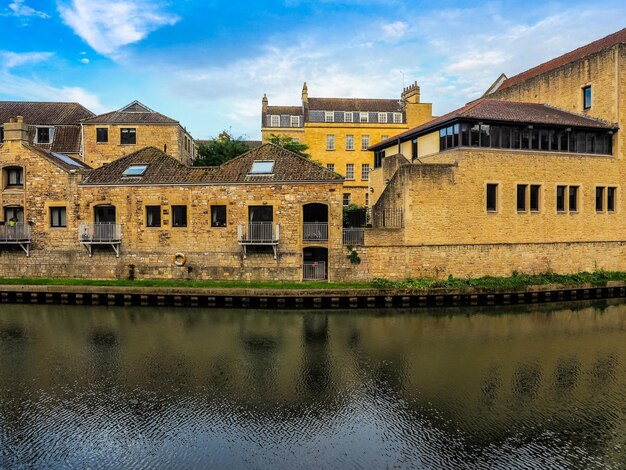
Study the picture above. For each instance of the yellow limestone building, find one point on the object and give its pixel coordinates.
(527, 178)
(339, 131)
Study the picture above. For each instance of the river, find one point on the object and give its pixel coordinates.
(113, 387)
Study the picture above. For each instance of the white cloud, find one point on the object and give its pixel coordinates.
(84, 60)
(18, 8)
(395, 31)
(9, 60)
(109, 25)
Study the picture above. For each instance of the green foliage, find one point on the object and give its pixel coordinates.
(290, 144)
(516, 280)
(347, 222)
(353, 255)
(220, 150)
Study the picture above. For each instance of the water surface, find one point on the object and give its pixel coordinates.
(98, 387)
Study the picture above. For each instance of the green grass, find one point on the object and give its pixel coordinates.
(516, 281)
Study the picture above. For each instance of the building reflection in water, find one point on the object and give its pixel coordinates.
(251, 388)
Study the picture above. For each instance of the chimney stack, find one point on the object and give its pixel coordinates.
(265, 103)
(411, 94)
(16, 130)
(305, 95)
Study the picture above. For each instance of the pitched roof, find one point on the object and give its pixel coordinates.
(65, 139)
(612, 39)
(291, 110)
(44, 113)
(133, 113)
(493, 110)
(163, 169)
(65, 162)
(355, 104)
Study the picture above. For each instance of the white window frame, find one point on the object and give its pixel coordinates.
(382, 118)
(349, 142)
(330, 141)
(365, 171)
(364, 116)
(365, 142)
(348, 117)
(397, 118)
(295, 121)
(274, 120)
(50, 134)
(349, 171)
(329, 116)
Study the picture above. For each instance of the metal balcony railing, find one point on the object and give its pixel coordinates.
(258, 233)
(353, 236)
(315, 231)
(100, 233)
(18, 233)
(314, 271)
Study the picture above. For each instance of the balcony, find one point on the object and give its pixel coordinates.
(18, 234)
(100, 233)
(315, 231)
(258, 234)
(353, 236)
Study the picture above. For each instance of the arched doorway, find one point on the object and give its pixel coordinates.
(315, 267)
(315, 220)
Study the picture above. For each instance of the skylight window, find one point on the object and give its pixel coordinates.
(135, 170)
(262, 167)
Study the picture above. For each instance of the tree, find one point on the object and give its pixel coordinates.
(290, 144)
(220, 150)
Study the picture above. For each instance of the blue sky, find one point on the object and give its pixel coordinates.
(207, 63)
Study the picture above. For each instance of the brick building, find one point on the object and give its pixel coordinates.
(339, 131)
(527, 178)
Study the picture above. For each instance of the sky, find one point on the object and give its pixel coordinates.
(207, 63)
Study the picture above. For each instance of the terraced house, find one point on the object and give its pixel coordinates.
(528, 178)
(268, 214)
(339, 131)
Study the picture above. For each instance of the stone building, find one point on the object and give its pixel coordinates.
(339, 131)
(266, 215)
(51, 126)
(133, 127)
(527, 178)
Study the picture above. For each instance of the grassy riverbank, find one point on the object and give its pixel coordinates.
(517, 280)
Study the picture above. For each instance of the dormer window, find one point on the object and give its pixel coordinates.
(43, 135)
(262, 167)
(397, 118)
(347, 117)
(135, 170)
(329, 116)
(364, 117)
(382, 117)
(275, 120)
(295, 121)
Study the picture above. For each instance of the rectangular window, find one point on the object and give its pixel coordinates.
(365, 142)
(275, 120)
(218, 216)
(349, 142)
(102, 135)
(600, 198)
(295, 121)
(329, 116)
(560, 198)
(346, 199)
(535, 190)
(367, 199)
(347, 117)
(587, 97)
(330, 142)
(153, 216)
(610, 198)
(365, 171)
(15, 177)
(128, 136)
(364, 117)
(573, 198)
(382, 117)
(44, 135)
(521, 197)
(1, 134)
(492, 197)
(349, 171)
(330, 166)
(179, 216)
(58, 217)
(397, 118)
